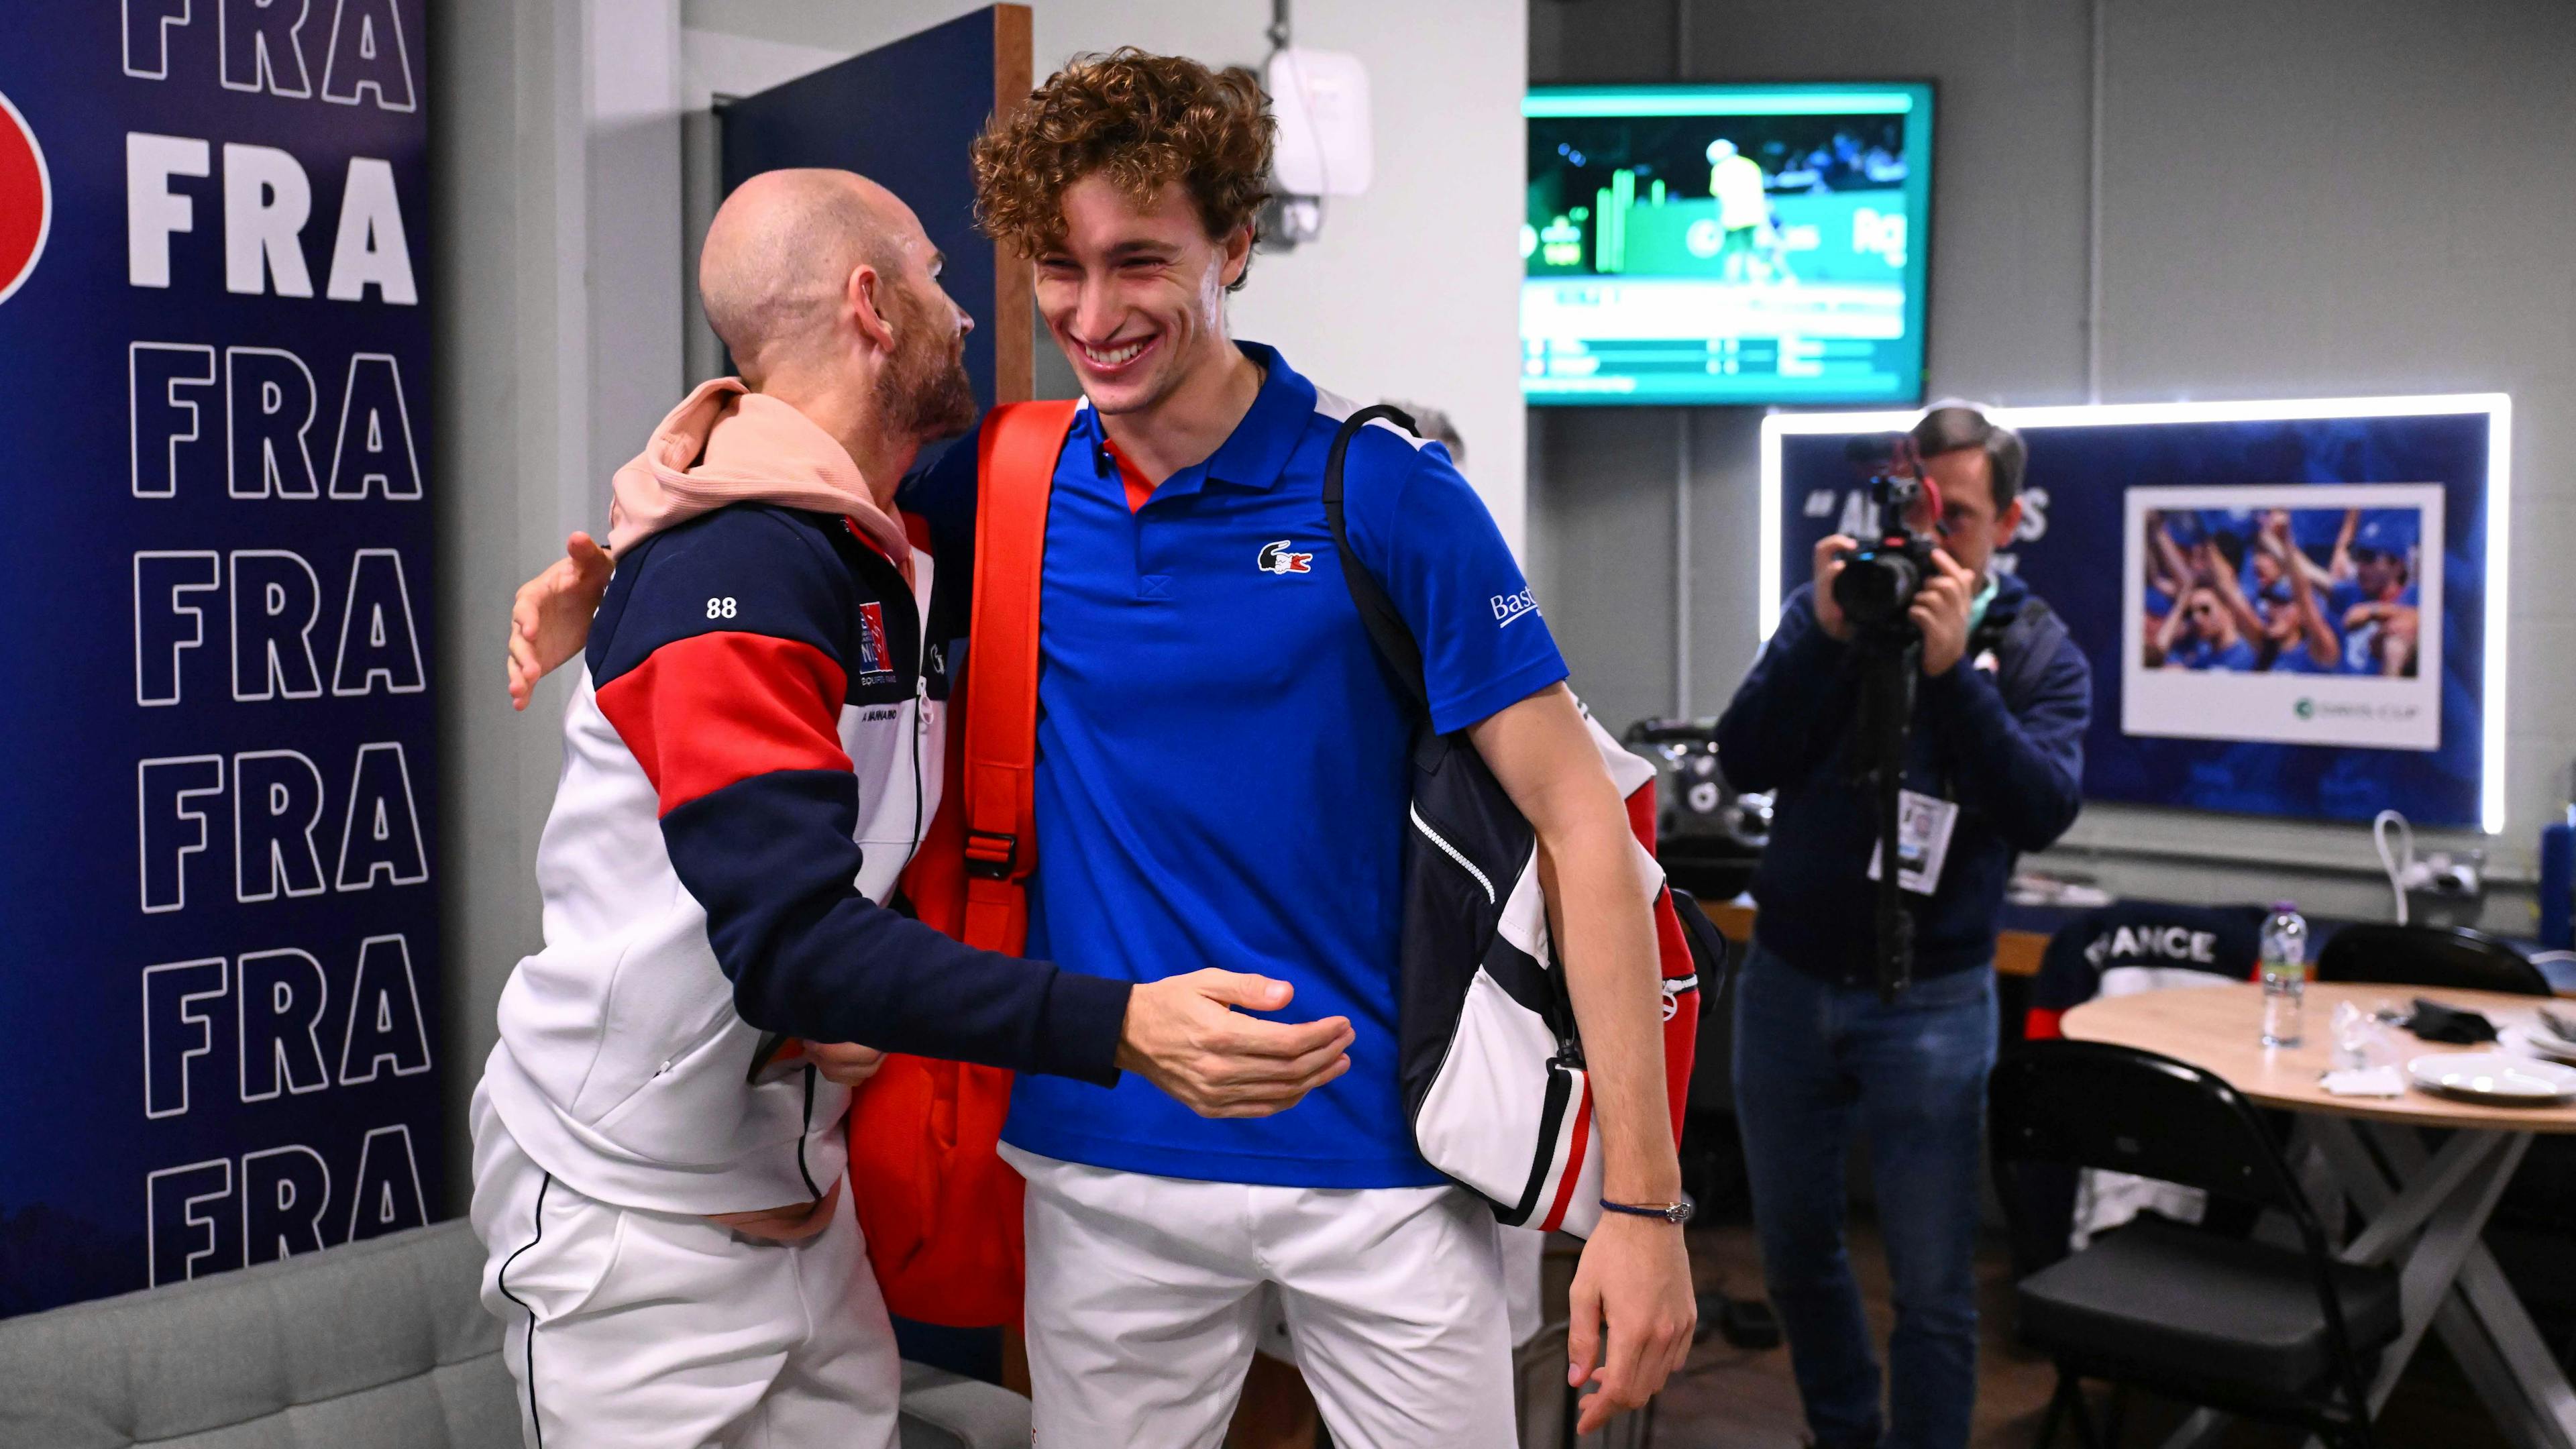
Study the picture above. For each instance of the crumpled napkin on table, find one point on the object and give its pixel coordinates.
(2365, 1082)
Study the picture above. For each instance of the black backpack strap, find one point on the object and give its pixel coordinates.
(2008, 636)
(1386, 626)
(2033, 616)
(1712, 955)
(2015, 644)
(1994, 628)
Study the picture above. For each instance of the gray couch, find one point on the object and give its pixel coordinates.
(376, 1345)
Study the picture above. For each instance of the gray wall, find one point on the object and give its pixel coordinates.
(2299, 198)
(492, 226)
(545, 144)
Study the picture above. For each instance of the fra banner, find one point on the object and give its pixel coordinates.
(217, 804)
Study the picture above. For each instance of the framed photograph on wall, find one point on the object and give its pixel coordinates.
(2297, 614)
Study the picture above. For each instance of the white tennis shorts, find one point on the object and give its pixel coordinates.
(1145, 1301)
(646, 1330)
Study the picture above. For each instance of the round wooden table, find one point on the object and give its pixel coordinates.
(2422, 1204)
(2219, 1029)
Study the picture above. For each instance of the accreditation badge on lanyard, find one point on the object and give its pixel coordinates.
(1923, 826)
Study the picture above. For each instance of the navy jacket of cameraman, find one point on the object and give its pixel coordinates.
(2002, 734)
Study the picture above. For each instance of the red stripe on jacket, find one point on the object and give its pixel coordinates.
(1577, 1144)
(707, 711)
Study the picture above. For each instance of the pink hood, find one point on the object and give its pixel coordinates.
(726, 444)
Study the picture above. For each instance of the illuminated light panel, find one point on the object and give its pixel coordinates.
(1712, 100)
(2498, 408)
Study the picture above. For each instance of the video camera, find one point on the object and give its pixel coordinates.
(1880, 578)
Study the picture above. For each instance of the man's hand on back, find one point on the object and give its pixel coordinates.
(1829, 566)
(1183, 1035)
(793, 1223)
(550, 616)
(844, 1062)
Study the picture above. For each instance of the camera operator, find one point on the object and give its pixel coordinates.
(1991, 769)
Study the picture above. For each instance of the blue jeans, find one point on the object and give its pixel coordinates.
(1812, 1062)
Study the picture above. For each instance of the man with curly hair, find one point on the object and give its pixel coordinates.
(1221, 782)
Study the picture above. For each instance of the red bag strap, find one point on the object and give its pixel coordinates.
(1015, 468)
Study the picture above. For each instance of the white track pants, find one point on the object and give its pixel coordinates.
(1145, 1299)
(650, 1330)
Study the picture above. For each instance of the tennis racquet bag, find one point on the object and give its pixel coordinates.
(940, 1209)
(1492, 1067)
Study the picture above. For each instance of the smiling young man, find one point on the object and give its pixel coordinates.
(1222, 781)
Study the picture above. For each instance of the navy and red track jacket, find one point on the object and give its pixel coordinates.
(751, 758)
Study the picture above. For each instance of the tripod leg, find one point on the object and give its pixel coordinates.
(1886, 720)
(2056, 1414)
(2084, 1430)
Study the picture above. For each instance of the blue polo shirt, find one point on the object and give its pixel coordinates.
(2236, 658)
(1221, 778)
(2294, 658)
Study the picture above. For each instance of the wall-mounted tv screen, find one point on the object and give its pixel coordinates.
(1746, 244)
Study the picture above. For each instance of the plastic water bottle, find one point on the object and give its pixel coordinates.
(2285, 974)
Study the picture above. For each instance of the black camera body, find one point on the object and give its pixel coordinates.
(1881, 577)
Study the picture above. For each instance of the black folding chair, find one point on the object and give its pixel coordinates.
(2287, 1335)
(2452, 958)
(2080, 954)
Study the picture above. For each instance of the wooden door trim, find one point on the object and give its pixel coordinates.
(1013, 320)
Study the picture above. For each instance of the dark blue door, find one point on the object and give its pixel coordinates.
(904, 115)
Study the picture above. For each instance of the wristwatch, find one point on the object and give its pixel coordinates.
(1676, 1213)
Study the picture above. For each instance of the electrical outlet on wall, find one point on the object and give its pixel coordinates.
(2443, 873)
(2446, 888)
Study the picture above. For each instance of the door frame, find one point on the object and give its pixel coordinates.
(716, 67)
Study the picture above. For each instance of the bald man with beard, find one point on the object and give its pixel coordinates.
(751, 756)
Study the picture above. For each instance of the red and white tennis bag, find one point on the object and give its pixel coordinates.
(1492, 1067)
